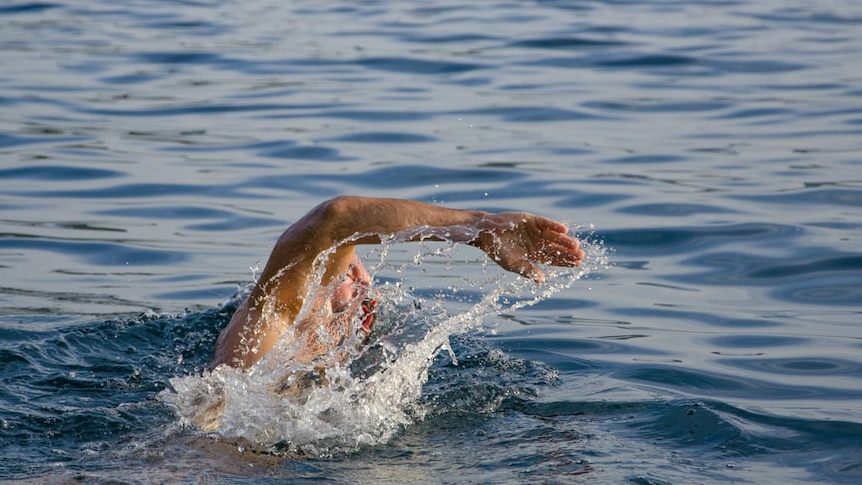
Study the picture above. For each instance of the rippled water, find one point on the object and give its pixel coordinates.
(152, 151)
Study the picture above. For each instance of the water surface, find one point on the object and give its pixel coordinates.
(151, 153)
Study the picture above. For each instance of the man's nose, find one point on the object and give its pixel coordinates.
(359, 274)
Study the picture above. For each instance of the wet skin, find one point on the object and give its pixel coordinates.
(284, 300)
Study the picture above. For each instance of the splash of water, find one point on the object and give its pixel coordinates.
(369, 396)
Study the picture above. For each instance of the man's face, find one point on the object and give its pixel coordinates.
(354, 288)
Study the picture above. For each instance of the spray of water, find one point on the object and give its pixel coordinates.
(367, 392)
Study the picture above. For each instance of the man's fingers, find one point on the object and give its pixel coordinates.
(527, 269)
(537, 276)
(546, 224)
(558, 249)
(560, 238)
(557, 255)
(534, 273)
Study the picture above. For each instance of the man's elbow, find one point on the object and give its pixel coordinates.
(339, 207)
(329, 211)
(335, 218)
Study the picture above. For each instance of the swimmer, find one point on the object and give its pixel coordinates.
(517, 241)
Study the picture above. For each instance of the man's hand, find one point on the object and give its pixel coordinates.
(517, 241)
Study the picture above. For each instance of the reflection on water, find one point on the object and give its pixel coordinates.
(151, 153)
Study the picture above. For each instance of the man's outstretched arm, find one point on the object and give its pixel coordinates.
(517, 241)
(514, 240)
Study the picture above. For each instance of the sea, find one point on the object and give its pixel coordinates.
(708, 154)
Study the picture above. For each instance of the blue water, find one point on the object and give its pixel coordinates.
(152, 151)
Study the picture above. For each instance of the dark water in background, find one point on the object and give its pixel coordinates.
(152, 151)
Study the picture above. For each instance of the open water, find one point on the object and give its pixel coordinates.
(151, 151)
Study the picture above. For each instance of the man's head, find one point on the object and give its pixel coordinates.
(352, 294)
(353, 288)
